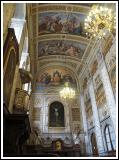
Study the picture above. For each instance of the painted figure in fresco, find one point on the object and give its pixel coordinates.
(60, 47)
(57, 25)
(46, 24)
(53, 23)
(43, 26)
(42, 52)
(45, 78)
(71, 25)
(48, 79)
(56, 77)
(70, 51)
(67, 78)
(79, 29)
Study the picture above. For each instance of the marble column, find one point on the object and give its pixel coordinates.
(68, 120)
(18, 25)
(111, 104)
(96, 118)
(44, 115)
(85, 124)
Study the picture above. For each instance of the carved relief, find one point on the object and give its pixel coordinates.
(97, 81)
(76, 128)
(37, 101)
(36, 113)
(74, 103)
(88, 109)
(75, 114)
(85, 83)
(22, 100)
(110, 61)
(94, 67)
(113, 78)
(105, 112)
(61, 8)
(107, 45)
(89, 115)
(87, 98)
(100, 95)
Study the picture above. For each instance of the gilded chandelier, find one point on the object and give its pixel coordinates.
(99, 21)
(67, 92)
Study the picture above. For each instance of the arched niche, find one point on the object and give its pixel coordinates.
(54, 77)
(56, 114)
(94, 144)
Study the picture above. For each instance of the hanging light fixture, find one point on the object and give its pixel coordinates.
(67, 92)
(99, 21)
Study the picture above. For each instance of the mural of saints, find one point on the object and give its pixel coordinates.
(54, 77)
(60, 47)
(61, 22)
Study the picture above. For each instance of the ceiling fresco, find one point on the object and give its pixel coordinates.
(54, 78)
(61, 22)
(61, 47)
(57, 31)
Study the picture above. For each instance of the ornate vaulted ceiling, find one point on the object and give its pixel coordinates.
(58, 38)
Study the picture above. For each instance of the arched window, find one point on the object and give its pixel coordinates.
(109, 138)
(56, 114)
(94, 144)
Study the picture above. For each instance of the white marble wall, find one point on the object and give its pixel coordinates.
(106, 109)
(43, 102)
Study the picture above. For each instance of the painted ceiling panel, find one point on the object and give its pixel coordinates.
(61, 22)
(58, 30)
(60, 47)
(54, 78)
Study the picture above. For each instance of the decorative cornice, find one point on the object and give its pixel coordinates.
(62, 8)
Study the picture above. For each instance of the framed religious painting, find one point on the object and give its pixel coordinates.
(56, 115)
(10, 60)
(57, 145)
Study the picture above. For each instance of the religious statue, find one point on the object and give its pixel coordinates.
(56, 114)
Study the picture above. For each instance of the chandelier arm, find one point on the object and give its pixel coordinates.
(100, 20)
